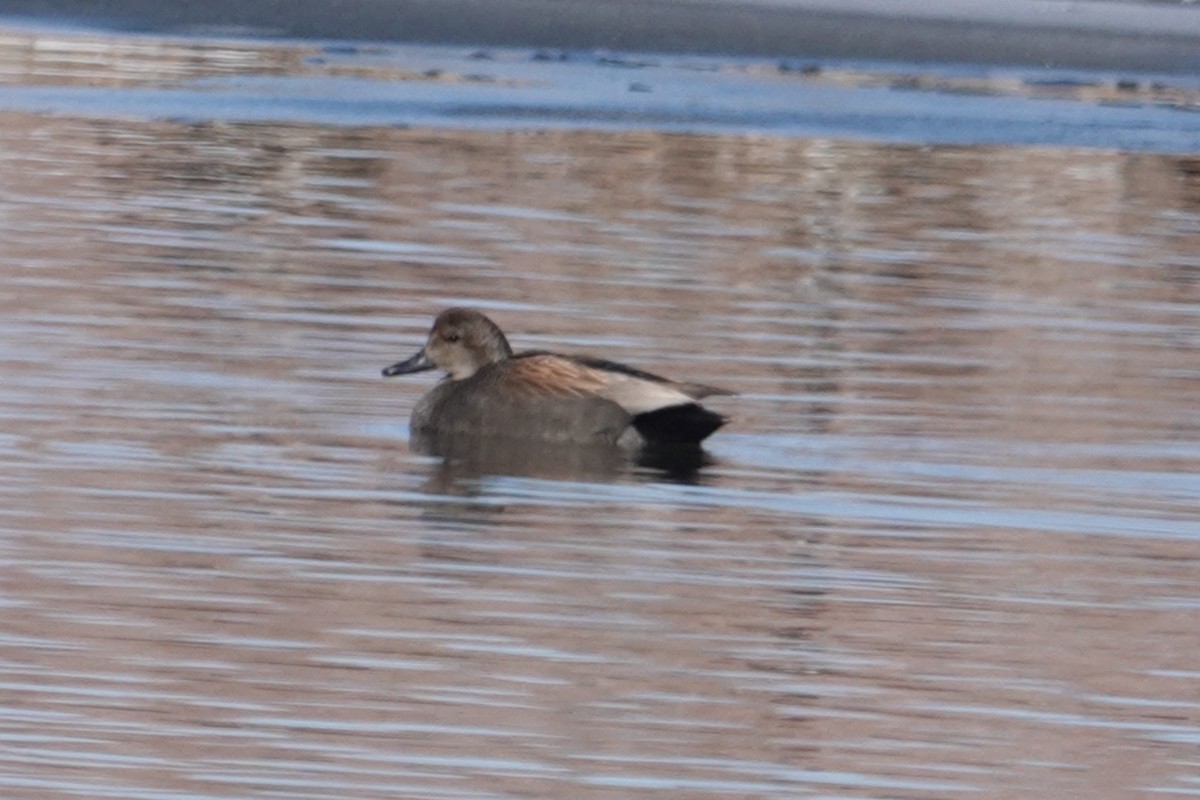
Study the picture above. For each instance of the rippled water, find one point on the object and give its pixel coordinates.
(948, 547)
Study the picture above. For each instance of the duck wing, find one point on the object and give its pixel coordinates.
(634, 390)
(693, 391)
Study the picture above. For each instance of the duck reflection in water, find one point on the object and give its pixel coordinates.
(498, 406)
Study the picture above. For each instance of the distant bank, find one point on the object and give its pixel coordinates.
(1059, 33)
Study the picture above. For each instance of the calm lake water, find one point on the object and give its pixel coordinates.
(949, 546)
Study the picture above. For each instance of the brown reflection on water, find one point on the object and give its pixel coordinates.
(946, 548)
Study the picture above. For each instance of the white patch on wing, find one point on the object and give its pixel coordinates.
(637, 395)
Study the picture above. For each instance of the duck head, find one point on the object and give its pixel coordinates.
(461, 342)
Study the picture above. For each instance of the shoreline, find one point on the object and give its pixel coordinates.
(1076, 35)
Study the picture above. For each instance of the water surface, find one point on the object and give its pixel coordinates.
(948, 547)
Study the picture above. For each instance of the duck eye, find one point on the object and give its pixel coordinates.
(452, 337)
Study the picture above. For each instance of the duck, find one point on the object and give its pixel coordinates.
(490, 391)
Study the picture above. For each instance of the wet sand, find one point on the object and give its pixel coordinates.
(1095, 35)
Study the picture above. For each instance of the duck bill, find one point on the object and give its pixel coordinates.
(418, 363)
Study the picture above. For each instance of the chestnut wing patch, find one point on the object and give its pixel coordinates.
(534, 374)
(637, 392)
(695, 391)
